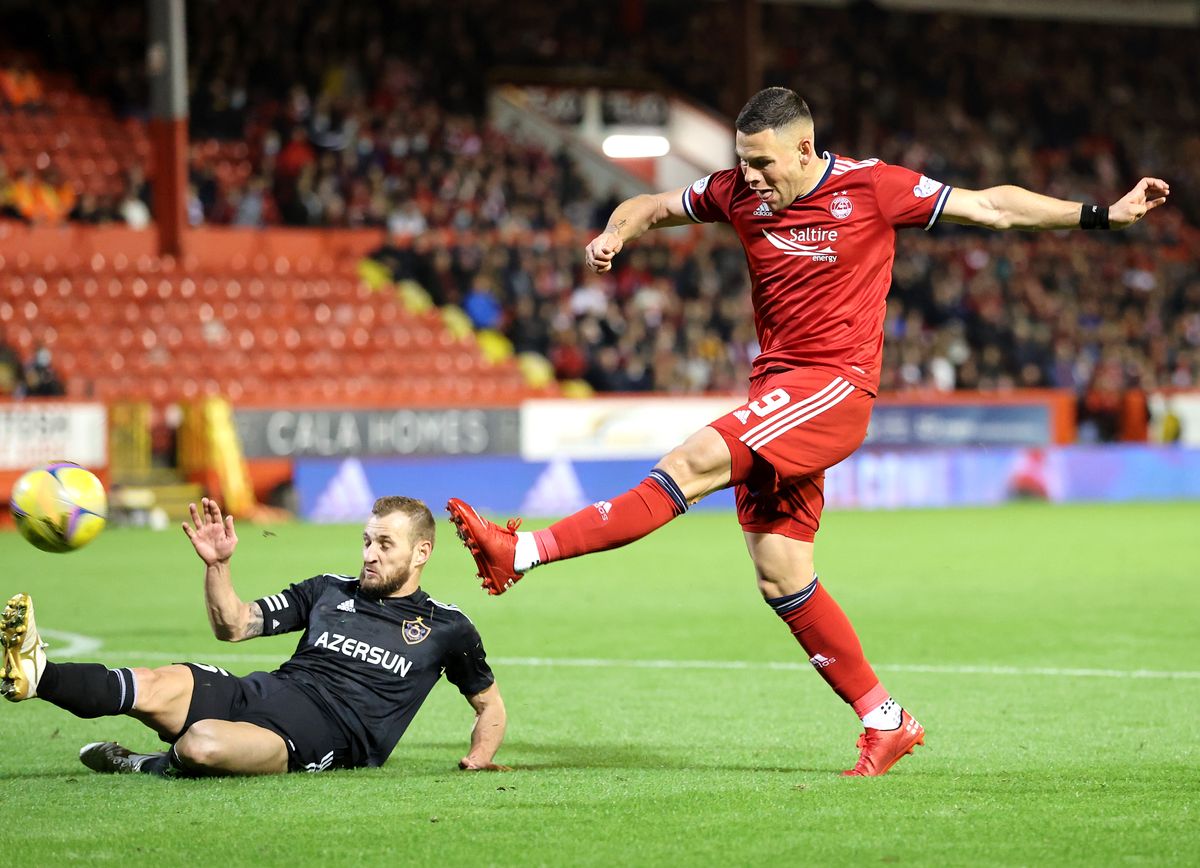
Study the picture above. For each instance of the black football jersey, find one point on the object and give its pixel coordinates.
(370, 663)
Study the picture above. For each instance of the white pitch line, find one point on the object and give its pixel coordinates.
(739, 665)
(882, 667)
(71, 644)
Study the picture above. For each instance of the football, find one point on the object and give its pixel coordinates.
(59, 507)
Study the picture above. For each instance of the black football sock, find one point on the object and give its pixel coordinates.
(165, 765)
(88, 689)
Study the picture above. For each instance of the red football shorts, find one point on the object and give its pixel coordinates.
(796, 424)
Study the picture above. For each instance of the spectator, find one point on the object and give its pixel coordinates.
(21, 88)
(481, 305)
(90, 209)
(296, 156)
(8, 206)
(41, 381)
(42, 201)
(133, 210)
(11, 374)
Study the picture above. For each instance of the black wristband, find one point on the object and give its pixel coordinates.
(1093, 217)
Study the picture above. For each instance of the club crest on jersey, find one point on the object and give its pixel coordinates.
(415, 632)
(926, 187)
(841, 207)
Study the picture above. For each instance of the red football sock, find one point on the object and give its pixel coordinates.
(825, 633)
(602, 526)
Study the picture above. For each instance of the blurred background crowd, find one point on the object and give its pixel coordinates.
(303, 114)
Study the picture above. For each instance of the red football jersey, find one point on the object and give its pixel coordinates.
(820, 270)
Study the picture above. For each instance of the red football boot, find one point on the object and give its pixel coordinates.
(883, 748)
(493, 547)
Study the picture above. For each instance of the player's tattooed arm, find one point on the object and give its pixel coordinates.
(254, 626)
(630, 219)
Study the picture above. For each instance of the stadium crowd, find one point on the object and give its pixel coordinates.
(372, 115)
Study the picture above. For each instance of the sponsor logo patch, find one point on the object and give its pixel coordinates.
(926, 187)
(814, 252)
(701, 185)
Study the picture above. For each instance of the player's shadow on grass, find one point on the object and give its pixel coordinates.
(611, 756)
(59, 775)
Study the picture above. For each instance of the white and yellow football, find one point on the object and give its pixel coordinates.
(59, 507)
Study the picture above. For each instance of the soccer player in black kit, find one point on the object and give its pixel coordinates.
(372, 648)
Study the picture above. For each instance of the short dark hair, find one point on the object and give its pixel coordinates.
(771, 109)
(420, 519)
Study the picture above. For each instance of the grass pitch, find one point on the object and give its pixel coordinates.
(659, 713)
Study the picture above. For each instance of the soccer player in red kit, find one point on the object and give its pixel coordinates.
(819, 232)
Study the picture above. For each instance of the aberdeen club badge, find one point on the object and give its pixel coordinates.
(415, 632)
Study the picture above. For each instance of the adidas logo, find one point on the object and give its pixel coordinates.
(347, 606)
(762, 210)
(742, 415)
(347, 496)
(557, 491)
(821, 661)
(603, 507)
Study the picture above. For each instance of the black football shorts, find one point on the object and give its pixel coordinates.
(314, 742)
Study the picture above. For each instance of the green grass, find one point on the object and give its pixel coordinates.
(625, 765)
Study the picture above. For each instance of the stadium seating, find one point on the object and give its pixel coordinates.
(267, 332)
(426, 164)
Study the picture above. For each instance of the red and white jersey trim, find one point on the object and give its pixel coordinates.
(791, 416)
(937, 208)
(841, 165)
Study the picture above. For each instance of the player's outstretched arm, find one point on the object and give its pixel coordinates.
(1009, 207)
(488, 732)
(1147, 195)
(214, 539)
(632, 218)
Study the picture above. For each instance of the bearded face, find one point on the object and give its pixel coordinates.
(390, 556)
(373, 584)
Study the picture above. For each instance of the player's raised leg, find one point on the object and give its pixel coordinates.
(690, 472)
(788, 582)
(85, 689)
(23, 649)
(158, 698)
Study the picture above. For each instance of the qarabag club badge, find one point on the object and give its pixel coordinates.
(415, 632)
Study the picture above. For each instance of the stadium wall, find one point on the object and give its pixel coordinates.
(206, 245)
(343, 489)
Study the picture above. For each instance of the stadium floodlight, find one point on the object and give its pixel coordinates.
(628, 146)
